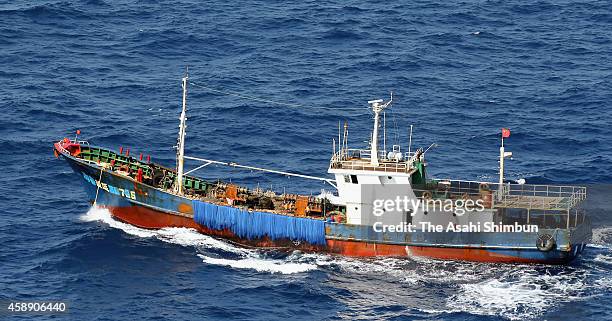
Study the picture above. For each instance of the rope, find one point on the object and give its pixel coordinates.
(98, 185)
(229, 93)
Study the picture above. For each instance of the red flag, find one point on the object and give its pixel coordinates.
(505, 132)
(78, 132)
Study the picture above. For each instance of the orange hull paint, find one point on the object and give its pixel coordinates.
(147, 218)
(351, 248)
(458, 254)
(363, 249)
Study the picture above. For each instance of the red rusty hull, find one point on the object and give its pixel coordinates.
(363, 249)
(147, 218)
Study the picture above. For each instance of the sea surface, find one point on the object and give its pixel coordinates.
(269, 82)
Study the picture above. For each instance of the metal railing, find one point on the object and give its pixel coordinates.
(80, 142)
(528, 196)
(545, 197)
(351, 154)
(547, 206)
(366, 166)
(72, 141)
(366, 154)
(359, 159)
(545, 218)
(461, 187)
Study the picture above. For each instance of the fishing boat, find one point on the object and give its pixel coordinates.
(511, 222)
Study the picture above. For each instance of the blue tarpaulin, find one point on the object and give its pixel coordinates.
(254, 225)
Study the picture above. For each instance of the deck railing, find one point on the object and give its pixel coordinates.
(546, 219)
(359, 159)
(79, 142)
(366, 154)
(548, 206)
(528, 196)
(545, 197)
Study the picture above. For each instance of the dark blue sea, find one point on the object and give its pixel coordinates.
(459, 71)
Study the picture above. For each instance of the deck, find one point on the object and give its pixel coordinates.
(539, 197)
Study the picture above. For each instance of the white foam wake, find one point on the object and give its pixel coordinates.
(514, 300)
(603, 258)
(261, 265)
(522, 292)
(103, 215)
(247, 258)
(602, 236)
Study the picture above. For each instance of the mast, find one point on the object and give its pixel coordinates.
(377, 106)
(333, 147)
(501, 163)
(180, 154)
(385, 134)
(410, 141)
(345, 142)
(502, 155)
(339, 141)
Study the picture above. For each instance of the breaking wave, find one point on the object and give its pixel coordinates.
(602, 236)
(518, 294)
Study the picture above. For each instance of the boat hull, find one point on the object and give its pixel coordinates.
(147, 207)
(365, 249)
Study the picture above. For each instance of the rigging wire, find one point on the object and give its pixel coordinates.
(396, 137)
(264, 100)
(229, 93)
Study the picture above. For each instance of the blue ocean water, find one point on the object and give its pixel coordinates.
(458, 71)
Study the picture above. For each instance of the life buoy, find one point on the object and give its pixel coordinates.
(484, 187)
(426, 195)
(545, 242)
